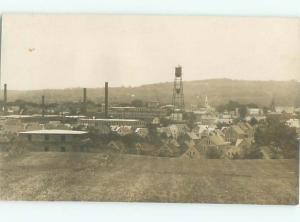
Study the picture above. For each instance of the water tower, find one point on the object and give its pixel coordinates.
(178, 97)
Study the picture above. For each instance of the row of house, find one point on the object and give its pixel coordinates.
(125, 130)
(230, 141)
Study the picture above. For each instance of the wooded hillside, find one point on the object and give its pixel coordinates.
(219, 91)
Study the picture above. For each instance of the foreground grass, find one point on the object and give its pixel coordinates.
(89, 177)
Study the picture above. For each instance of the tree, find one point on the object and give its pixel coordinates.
(190, 119)
(259, 137)
(131, 139)
(230, 106)
(213, 153)
(233, 105)
(137, 103)
(277, 134)
(253, 121)
(265, 109)
(153, 136)
(243, 111)
(165, 121)
(253, 152)
(182, 138)
(252, 105)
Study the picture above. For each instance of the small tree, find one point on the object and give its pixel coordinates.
(137, 103)
(213, 153)
(253, 152)
(153, 136)
(243, 111)
(190, 119)
(253, 121)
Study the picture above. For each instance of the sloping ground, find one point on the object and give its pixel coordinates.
(89, 176)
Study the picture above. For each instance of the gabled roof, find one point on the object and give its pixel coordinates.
(237, 129)
(245, 140)
(217, 140)
(248, 125)
(193, 136)
(191, 150)
(180, 126)
(238, 142)
(220, 132)
(245, 126)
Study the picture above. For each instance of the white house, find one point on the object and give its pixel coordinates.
(121, 130)
(142, 132)
(293, 123)
(285, 109)
(255, 111)
(200, 129)
(178, 129)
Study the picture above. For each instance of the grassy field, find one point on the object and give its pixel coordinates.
(88, 177)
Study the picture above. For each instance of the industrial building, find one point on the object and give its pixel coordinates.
(144, 113)
(53, 140)
(112, 122)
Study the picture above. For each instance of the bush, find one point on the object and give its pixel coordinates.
(213, 153)
(276, 133)
(253, 152)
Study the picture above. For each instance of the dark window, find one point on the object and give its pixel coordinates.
(46, 148)
(46, 137)
(63, 138)
(29, 137)
(62, 149)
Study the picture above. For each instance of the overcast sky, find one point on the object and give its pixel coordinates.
(59, 51)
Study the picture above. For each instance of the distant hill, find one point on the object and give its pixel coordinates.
(219, 91)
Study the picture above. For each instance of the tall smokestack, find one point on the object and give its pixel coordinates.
(43, 106)
(106, 99)
(84, 100)
(5, 98)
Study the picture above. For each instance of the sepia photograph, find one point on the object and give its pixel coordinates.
(170, 109)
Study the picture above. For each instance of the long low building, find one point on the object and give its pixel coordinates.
(144, 113)
(53, 140)
(112, 122)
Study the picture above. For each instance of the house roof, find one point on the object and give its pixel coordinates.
(237, 129)
(238, 142)
(248, 125)
(217, 140)
(192, 135)
(141, 130)
(55, 132)
(219, 132)
(245, 126)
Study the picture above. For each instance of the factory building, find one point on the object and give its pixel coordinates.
(144, 113)
(53, 140)
(112, 122)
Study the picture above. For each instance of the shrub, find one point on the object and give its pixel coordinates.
(253, 152)
(213, 153)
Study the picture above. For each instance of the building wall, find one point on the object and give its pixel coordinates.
(58, 143)
(51, 147)
(232, 136)
(144, 113)
(107, 122)
(47, 138)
